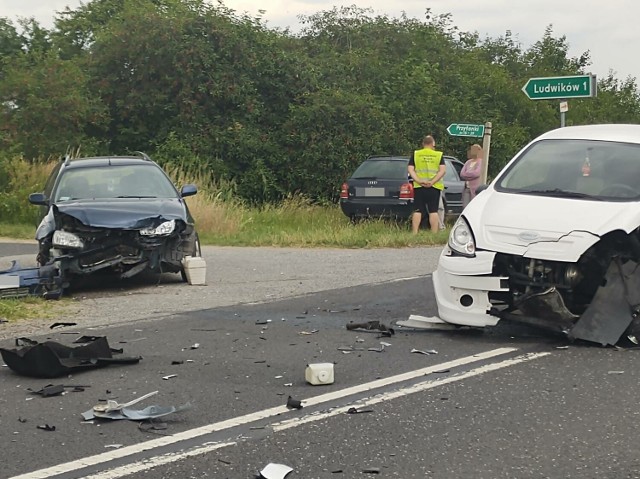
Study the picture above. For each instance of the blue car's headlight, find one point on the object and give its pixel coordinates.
(163, 229)
(64, 239)
(461, 238)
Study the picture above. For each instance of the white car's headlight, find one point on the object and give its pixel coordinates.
(64, 239)
(164, 229)
(461, 239)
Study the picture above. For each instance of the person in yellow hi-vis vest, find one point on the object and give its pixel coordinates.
(426, 168)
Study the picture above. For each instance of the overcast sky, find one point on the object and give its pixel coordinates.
(608, 29)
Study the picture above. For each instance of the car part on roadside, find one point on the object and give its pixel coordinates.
(117, 214)
(52, 359)
(17, 282)
(319, 374)
(554, 241)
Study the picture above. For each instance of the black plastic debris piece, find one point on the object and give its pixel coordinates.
(353, 410)
(176, 362)
(46, 427)
(371, 470)
(373, 326)
(61, 325)
(22, 420)
(52, 359)
(49, 390)
(294, 403)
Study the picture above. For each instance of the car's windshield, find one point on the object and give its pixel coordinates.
(121, 181)
(601, 170)
(382, 168)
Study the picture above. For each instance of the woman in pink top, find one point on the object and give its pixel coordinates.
(471, 172)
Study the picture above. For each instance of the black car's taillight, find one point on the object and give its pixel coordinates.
(344, 191)
(406, 191)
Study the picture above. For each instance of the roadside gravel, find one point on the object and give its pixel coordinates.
(234, 275)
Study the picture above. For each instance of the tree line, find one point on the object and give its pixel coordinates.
(268, 110)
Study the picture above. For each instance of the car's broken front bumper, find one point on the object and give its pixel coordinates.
(466, 292)
(462, 287)
(125, 251)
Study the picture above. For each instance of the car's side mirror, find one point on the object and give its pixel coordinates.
(481, 188)
(38, 199)
(188, 190)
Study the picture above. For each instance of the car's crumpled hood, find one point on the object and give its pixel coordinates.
(124, 213)
(543, 227)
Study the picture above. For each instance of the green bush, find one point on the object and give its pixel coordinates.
(19, 178)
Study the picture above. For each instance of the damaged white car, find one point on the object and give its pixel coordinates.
(554, 241)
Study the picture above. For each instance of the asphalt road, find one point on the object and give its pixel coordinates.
(507, 402)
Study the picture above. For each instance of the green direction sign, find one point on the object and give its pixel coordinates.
(462, 129)
(548, 88)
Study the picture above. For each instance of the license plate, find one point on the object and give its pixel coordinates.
(374, 192)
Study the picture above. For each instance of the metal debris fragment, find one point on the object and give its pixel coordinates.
(424, 351)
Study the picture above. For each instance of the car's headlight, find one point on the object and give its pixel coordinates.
(64, 239)
(461, 238)
(165, 228)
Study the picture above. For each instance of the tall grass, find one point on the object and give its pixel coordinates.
(223, 219)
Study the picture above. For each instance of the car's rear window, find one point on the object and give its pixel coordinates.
(599, 169)
(122, 181)
(382, 168)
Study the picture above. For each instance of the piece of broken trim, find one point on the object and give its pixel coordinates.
(275, 471)
(416, 321)
(424, 351)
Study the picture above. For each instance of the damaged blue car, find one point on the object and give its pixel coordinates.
(120, 214)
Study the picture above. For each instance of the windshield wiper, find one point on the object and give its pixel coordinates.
(560, 193)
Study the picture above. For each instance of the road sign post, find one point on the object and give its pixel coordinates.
(465, 129)
(561, 88)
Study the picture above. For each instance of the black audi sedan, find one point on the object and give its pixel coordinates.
(120, 213)
(380, 187)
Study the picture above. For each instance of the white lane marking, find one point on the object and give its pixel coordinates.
(423, 386)
(150, 463)
(248, 418)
